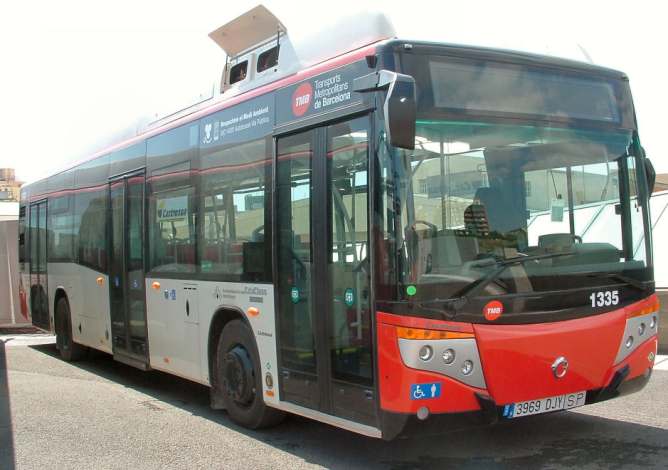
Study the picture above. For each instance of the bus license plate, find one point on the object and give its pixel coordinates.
(544, 405)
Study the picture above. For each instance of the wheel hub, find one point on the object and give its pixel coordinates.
(238, 377)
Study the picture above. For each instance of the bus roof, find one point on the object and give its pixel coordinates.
(379, 47)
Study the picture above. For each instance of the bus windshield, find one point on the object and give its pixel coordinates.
(513, 161)
(473, 194)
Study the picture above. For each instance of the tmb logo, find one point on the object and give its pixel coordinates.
(492, 310)
(301, 99)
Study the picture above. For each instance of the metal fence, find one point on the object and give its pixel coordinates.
(9, 276)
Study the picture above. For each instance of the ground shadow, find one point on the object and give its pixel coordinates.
(6, 432)
(560, 440)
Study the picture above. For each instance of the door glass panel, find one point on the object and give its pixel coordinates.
(350, 335)
(41, 259)
(135, 264)
(294, 253)
(39, 304)
(117, 296)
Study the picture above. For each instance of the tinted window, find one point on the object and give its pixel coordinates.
(90, 222)
(238, 72)
(235, 220)
(172, 208)
(267, 59)
(61, 232)
(519, 90)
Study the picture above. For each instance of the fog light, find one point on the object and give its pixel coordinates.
(449, 356)
(423, 413)
(629, 342)
(467, 367)
(652, 324)
(641, 329)
(425, 353)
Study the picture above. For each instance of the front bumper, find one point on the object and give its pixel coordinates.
(460, 405)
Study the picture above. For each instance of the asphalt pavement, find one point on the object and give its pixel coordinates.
(102, 414)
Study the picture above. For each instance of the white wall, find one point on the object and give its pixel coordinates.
(9, 273)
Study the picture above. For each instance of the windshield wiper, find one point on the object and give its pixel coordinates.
(467, 293)
(622, 278)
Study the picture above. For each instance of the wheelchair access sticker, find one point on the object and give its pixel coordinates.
(425, 391)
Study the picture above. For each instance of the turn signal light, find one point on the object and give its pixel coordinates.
(416, 333)
(651, 307)
(100, 281)
(155, 285)
(253, 311)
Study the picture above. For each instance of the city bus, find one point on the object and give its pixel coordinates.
(388, 236)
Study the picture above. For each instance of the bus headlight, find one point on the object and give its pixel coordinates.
(449, 356)
(641, 324)
(629, 342)
(425, 353)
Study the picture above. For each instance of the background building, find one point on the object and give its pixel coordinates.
(9, 187)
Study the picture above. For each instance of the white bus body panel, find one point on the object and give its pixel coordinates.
(178, 341)
(89, 303)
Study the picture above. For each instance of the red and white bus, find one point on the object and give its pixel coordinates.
(399, 237)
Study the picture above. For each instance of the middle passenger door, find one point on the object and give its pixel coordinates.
(324, 323)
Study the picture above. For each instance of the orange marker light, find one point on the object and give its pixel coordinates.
(644, 308)
(253, 311)
(416, 333)
(100, 281)
(269, 393)
(155, 285)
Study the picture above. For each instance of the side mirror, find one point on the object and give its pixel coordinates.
(650, 174)
(399, 109)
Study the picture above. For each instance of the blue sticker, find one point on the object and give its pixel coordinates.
(172, 294)
(508, 411)
(425, 391)
(166, 295)
(117, 281)
(135, 284)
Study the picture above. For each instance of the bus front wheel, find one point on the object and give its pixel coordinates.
(69, 350)
(238, 373)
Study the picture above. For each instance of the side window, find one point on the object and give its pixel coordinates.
(267, 59)
(61, 235)
(34, 237)
(637, 229)
(236, 237)
(90, 224)
(172, 200)
(172, 221)
(238, 72)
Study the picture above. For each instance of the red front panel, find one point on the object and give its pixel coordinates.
(517, 359)
(396, 380)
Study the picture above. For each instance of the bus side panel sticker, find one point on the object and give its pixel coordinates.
(425, 391)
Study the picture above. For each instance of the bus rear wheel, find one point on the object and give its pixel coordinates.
(238, 373)
(69, 350)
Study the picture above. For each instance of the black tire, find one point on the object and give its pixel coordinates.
(239, 377)
(69, 350)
